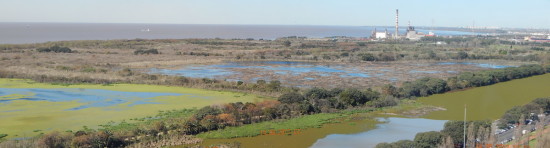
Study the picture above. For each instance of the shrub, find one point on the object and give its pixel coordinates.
(317, 93)
(3, 135)
(150, 51)
(367, 57)
(55, 49)
(126, 72)
(352, 97)
(537, 48)
(287, 43)
(383, 102)
(428, 139)
(292, 97)
(55, 140)
(462, 55)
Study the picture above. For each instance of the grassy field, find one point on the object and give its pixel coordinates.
(24, 118)
(488, 102)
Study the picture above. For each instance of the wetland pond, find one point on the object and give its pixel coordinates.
(307, 74)
(90, 97)
(391, 130)
(28, 108)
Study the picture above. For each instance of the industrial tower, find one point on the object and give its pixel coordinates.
(396, 35)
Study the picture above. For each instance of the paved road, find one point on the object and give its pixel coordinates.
(507, 135)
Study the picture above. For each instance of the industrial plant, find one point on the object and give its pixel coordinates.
(410, 34)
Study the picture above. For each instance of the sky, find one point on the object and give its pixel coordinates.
(449, 13)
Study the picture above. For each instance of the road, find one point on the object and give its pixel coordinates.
(506, 136)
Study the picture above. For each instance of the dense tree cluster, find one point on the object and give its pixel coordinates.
(528, 111)
(289, 105)
(450, 136)
(55, 49)
(423, 87)
(488, 77)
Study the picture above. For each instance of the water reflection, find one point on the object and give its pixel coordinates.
(393, 129)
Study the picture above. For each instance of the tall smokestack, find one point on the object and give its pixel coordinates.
(396, 23)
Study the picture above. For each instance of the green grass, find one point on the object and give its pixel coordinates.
(249, 130)
(488, 102)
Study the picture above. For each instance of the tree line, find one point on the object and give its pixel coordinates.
(428, 86)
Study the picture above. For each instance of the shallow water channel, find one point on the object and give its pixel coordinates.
(307, 74)
(90, 97)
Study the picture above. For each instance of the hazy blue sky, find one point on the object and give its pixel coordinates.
(502, 13)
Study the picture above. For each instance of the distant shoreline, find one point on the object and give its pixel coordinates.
(25, 33)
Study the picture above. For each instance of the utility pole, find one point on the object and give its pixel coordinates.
(464, 137)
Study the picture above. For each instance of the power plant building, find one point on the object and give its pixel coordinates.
(412, 34)
(380, 35)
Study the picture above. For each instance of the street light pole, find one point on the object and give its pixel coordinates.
(464, 136)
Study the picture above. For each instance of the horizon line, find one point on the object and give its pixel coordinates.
(479, 27)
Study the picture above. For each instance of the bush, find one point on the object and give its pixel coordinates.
(423, 87)
(3, 135)
(383, 102)
(292, 97)
(317, 93)
(55, 49)
(398, 144)
(150, 51)
(126, 72)
(367, 57)
(96, 139)
(287, 43)
(428, 139)
(537, 48)
(462, 55)
(353, 97)
(205, 111)
(55, 140)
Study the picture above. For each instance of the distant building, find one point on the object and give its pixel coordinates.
(534, 39)
(431, 34)
(412, 34)
(380, 35)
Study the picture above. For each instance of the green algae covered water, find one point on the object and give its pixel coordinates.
(28, 108)
(488, 102)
